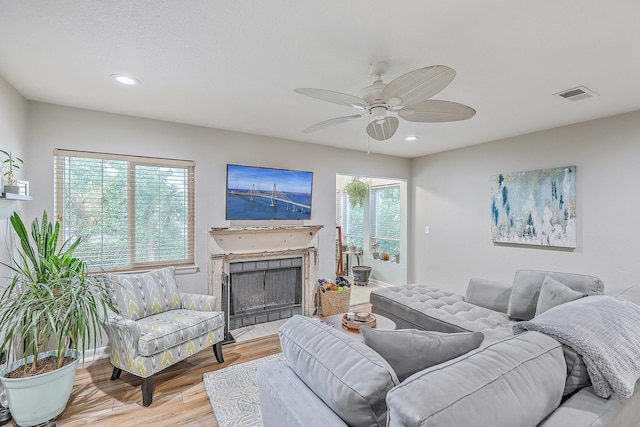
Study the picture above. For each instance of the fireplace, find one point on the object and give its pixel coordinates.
(260, 274)
(262, 291)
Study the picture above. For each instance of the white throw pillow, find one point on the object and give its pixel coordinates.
(554, 293)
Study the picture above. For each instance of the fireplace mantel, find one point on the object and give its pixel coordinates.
(238, 244)
(233, 240)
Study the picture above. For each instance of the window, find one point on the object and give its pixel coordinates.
(131, 212)
(385, 218)
(351, 219)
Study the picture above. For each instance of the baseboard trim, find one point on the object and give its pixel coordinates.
(94, 355)
(379, 283)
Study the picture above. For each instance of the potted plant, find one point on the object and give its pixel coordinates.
(357, 190)
(51, 310)
(374, 249)
(11, 163)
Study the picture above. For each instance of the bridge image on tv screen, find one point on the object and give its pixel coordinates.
(265, 193)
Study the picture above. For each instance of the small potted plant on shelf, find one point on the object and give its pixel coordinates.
(11, 163)
(374, 249)
(51, 311)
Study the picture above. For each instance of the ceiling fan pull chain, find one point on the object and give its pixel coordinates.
(369, 138)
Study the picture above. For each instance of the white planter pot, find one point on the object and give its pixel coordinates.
(38, 399)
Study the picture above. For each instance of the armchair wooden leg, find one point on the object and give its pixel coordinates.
(217, 350)
(147, 390)
(116, 373)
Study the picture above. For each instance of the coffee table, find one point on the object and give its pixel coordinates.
(381, 323)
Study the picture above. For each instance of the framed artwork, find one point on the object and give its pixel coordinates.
(535, 207)
(266, 193)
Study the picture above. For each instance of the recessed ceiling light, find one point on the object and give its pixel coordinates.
(125, 80)
(410, 138)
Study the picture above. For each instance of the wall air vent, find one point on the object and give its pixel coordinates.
(577, 93)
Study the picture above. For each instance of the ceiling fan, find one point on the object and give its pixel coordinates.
(408, 95)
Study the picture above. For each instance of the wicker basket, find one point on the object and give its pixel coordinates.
(334, 302)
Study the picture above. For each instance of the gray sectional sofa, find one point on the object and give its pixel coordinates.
(523, 380)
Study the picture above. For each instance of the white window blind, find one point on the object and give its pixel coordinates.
(131, 212)
(385, 218)
(350, 219)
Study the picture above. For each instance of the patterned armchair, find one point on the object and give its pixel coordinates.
(159, 325)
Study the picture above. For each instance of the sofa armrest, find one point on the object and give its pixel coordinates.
(124, 335)
(631, 294)
(585, 408)
(286, 401)
(488, 294)
(198, 302)
(514, 382)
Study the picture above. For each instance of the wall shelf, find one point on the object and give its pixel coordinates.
(13, 196)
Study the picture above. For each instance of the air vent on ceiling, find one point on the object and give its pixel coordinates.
(577, 93)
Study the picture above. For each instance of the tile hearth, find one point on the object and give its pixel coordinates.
(359, 301)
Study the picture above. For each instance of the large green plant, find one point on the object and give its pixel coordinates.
(51, 302)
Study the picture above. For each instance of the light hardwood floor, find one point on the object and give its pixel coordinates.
(179, 399)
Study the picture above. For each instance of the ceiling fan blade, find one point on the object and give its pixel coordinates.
(331, 122)
(335, 97)
(383, 129)
(418, 85)
(437, 111)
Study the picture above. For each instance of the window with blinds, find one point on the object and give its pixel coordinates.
(351, 219)
(131, 212)
(385, 218)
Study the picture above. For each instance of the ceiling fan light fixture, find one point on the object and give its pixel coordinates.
(383, 129)
(378, 113)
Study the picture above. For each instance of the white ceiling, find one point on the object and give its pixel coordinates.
(234, 64)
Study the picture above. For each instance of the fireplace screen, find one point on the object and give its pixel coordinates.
(263, 291)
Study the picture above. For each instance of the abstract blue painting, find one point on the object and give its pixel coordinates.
(535, 207)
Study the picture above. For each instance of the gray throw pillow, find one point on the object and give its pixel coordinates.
(527, 285)
(554, 293)
(410, 350)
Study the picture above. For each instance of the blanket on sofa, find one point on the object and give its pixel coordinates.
(604, 331)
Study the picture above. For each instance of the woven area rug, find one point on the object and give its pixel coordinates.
(233, 393)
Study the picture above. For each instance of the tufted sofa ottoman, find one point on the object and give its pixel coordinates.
(488, 306)
(432, 309)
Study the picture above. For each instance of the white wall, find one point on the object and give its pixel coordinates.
(13, 138)
(451, 194)
(52, 126)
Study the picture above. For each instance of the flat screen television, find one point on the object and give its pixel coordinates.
(266, 193)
